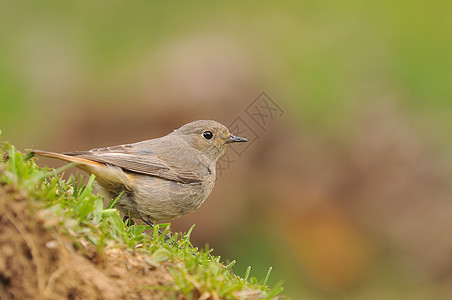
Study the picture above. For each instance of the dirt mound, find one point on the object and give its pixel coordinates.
(38, 262)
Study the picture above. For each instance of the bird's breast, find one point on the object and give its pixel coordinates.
(162, 199)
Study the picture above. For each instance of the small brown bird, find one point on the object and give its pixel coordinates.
(163, 178)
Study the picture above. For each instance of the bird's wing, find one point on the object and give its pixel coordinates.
(143, 162)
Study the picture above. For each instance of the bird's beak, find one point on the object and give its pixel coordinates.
(235, 139)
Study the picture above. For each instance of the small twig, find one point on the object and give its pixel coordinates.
(54, 276)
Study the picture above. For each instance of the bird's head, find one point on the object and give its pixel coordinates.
(207, 136)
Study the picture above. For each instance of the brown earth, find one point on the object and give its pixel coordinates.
(36, 261)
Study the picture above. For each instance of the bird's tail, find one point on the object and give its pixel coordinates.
(78, 160)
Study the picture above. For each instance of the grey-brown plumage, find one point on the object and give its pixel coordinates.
(162, 178)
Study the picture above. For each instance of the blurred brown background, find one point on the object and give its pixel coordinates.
(346, 190)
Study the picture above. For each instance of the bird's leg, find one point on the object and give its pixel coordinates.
(149, 223)
(167, 237)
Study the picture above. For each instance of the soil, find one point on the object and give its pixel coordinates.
(41, 263)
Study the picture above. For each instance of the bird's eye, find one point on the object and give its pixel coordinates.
(207, 135)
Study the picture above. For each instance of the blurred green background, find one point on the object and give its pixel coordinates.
(347, 194)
